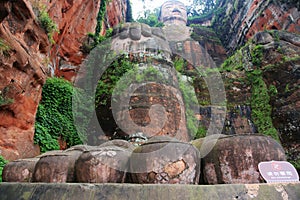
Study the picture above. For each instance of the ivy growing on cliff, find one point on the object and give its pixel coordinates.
(109, 79)
(260, 104)
(100, 17)
(47, 23)
(2, 164)
(195, 129)
(54, 118)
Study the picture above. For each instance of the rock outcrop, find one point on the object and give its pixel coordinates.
(235, 159)
(23, 70)
(75, 20)
(237, 21)
(274, 56)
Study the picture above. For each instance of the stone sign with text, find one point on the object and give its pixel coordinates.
(278, 171)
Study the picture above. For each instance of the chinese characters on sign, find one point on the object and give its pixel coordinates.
(278, 171)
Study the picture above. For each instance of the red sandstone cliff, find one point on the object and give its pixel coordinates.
(75, 19)
(22, 74)
(240, 20)
(30, 57)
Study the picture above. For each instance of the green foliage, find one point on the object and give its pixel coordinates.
(273, 90)
(234, 62)
(47, 23)
(151, 18)
(261, 109)
(257, 55)
(2, 164)
(100, 17)
(179, 64)
(296, 164)
(4, 48)
(5, 101)
(202, 7)
(190, 102)
(109, 79)
(96, 39)
(54, 117)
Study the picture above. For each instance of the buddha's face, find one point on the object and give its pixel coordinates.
(173, 12)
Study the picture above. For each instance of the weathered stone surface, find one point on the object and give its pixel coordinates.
(279, 64)
(168, 120)
(146, 30)
(240, 20)
(56, 168)
(107, 163)
(19, 170)
(135, 32)
(210, 41)
(165, 161)
(235, 159)
(116, 12)
(173, 12)
(75, 19)
(153, 53)
(79, 191)
(22, 73)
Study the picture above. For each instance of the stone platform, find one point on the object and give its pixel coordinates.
(84, 191)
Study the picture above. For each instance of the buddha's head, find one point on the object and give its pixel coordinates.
(173, 12)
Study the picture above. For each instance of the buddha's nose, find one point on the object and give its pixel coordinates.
(176, 10)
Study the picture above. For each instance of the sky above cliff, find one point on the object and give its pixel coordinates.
(138, 6)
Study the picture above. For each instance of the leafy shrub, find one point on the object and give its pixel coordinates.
(54, 117)
(151, 18)
(47, 23)
(2, 164)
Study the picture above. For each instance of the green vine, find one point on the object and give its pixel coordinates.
(261, 109)
(100, 17)
(257, 55)
(47, 23)
(109, 79)
(3, 162)
(54, 117)
(190, 101)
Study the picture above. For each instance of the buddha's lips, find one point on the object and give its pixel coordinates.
(176, 13)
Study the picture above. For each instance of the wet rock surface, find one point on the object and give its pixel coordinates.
(235, 159)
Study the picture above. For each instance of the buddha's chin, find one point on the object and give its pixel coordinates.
(175, 17)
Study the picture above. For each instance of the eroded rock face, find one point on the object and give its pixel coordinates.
(22, 73)
(75, 19)
(240, 20)
(165, 161)
(149, 47)
(279, 65)
(19, 170)
(210, 41)
(234, 159)
(58, 167)
(107, 163)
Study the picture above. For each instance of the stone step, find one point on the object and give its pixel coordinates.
(80, 191)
